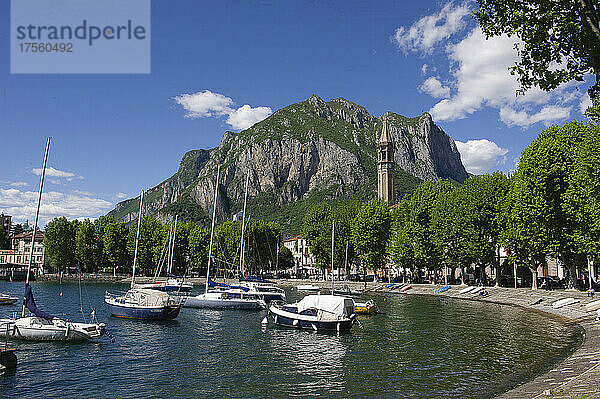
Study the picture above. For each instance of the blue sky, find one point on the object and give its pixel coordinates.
(222, 65)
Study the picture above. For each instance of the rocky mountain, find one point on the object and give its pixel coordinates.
(305, 152)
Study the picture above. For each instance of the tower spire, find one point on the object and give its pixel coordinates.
(385, 164)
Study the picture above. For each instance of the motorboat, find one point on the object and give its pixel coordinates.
(142, 303)
(315, 312)
(6, 299)
(346, 291)
(368, 307)
(226, 299)
(308, 288)
(170, 285)
(265, 288)
(8, 358)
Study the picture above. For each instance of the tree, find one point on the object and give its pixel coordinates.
(149, 242)
(115, 244)
(4, 241)
(87, 249)
(539, 225)
(226, 246)
(316, 229)
(199, 241)
(261, 244)
(59, 243)
(561, 39)
(286, 259)
(344, 215)
(370, 233)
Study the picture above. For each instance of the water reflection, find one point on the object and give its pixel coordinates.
(419, 347)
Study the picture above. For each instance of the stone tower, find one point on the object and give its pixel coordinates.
(385, 165)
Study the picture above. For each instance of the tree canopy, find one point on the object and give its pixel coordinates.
(560, 39)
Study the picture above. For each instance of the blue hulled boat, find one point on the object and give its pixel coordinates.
(143, 304)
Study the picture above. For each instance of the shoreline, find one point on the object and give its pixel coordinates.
(576, 376)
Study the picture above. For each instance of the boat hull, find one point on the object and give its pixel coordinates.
(30, 329)
(201, 303)
(144, 313)
(293, 320)
(8, 359)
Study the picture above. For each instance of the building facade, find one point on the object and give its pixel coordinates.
(21, 249)
(385, 165)
(303, 259)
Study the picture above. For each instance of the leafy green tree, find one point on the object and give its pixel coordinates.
(538, 223)
(115, 244)
(400, 244)
(561, 39)
(147, 247)
(316, 229)
(261, 245)
(226, 246)
(59, 243)
(199, 241)
(99, 228)
(370, 233)
(18, 229)
(344, 215)
(4, 241)
(87, 249)
(582, 197)
(286, 259)
(482, 200)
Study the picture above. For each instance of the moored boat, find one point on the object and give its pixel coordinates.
(315, 312)
(368, 307)
(346, 291)
(226, 299)
(308, 288)
(6, 299)
(140, 303)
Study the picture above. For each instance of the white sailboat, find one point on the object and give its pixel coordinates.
(142, 303)
(41, 326)
(227, 298)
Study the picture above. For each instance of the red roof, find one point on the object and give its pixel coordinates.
(27, 234)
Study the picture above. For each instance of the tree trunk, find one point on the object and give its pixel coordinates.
(462, 275)
(498, 266)
(534, 277)
(572, 274)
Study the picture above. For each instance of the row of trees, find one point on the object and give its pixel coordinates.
(549, 207)
(107, 243)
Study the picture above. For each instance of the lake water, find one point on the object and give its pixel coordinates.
(421, 347)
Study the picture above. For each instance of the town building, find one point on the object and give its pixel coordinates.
(18, 256)
(304, 262)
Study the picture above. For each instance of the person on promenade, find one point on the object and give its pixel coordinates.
(591, 292)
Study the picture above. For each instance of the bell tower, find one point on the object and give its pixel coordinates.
(385, 165)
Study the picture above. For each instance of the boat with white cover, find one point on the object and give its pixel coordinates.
(142, 303)
(308, 288)
(315, 312)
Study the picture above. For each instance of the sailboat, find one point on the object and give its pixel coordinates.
(43, 326)
(142, 303)
(224, 297)
(316, 312)
(175, 284)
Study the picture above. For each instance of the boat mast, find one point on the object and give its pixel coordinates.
(212, 229)
(37, 215)
(170, 265)
(240, 270)
(332, 242)
(137, 240)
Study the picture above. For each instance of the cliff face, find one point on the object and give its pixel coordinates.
(309, 150)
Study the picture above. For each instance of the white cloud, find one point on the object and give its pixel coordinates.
(21, 205)
(208, 104)
(424, 69)
(481, 77)
(246, 116)
(428, 31)
(50, 171)
(80, 192)
(121, 195)
(434, 88)
(585, 103)
(547, 115)
(480, 156)
(18, 184)
(204, 104)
